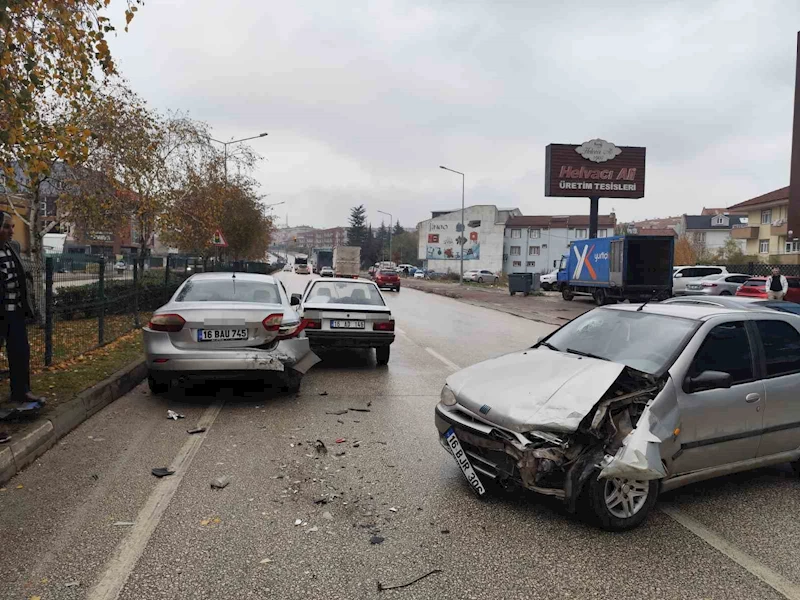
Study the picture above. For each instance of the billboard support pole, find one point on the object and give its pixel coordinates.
(594, 209)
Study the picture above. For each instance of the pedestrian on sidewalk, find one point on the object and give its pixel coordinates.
(776, 285)
(16, 308)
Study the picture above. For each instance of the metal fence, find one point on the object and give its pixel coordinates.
(763, 269)
(83, 302)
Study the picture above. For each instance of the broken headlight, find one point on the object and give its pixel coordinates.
(447, 396)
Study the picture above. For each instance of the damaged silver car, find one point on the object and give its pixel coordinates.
(227, 326)
(628, 401)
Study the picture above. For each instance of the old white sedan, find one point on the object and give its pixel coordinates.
(346, 313)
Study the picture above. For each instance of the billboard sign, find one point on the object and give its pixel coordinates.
(444, 241)
(596, 168)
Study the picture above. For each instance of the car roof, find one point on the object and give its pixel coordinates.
(342, 279)
(695, 312)
(701, 266)
(223, 276)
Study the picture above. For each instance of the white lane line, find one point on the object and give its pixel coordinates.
(774, 580)
(130, 549)
(400, 331)
(449, 363)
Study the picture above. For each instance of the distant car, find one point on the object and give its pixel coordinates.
(193, 336)
(387, 278)
(120, 265)
(755, 287)
(419, 274)
(549, 280)
(302, 269)
(683, 276)
(740, 302)
(326, 272)
(372, 271)
(288, 268)
(346, 313)
(481, 276)
(722, 284)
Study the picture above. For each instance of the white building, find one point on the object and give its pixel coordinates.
(711, 232)
(440, 244)
(536, 244)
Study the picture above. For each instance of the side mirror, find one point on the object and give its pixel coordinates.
(677, 275)
(707, 380)
(540, 338)
(295, 300)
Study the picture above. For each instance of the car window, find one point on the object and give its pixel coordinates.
(754, 283)
(706, 271)
(736, 278)
(229, 290)
(386, 272)
(688, 273)
(727, 349)
(781, 344)
(344, 292)
(793, 283)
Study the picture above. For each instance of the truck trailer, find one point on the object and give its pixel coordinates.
(347, 261)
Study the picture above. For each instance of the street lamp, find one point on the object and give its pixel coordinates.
(390, 232)
(225, 148)
(463, 228)
(276, 204)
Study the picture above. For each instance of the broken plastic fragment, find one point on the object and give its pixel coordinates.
(196, 430)
(162, 472)
(297, 522)
(340, 440)
(393, 509)
(171, 414)
(220, 482)
(124, 523)
(376, 539)
(265, 561)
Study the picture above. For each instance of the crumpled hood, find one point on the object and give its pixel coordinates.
(537, 389)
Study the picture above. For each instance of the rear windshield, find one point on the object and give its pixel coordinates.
(229, 290)
(753, 283)
(385, 272)
(788, 307)
(345, 292)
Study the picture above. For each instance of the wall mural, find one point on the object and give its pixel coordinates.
(444, 241)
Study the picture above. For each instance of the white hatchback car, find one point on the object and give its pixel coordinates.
(682, 276)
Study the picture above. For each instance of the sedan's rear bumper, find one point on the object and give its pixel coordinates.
(349, 339)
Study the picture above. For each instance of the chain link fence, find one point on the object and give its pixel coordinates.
(763, 270)
(83, 302)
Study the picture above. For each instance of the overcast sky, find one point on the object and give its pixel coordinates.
(363, 100)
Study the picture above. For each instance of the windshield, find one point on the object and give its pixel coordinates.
(345, 292)
(385, 272)
(640, 340)
(754, 283)
(787, 307)
(229, 290)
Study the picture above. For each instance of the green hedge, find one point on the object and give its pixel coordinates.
(83, 302)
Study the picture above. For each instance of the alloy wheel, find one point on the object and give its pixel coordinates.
(625, 497)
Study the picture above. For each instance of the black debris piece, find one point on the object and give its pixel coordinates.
(196, 430)
(319, 446)
(162, 472)
(336, 412)
(376, 539)
(382, 587)
(360, 409)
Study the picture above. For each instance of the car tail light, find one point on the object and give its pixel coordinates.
(170, 323)
(273, 322)
(708, 284)
(313, 324)
(383, 326)
(292, 331)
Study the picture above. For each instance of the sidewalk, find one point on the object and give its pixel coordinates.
(548, 308)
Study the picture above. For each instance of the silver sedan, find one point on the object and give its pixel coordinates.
(226, 326)
(722, 284)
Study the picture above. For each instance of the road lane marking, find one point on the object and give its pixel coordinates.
(130, 549)
(774, 580)
(449, 363)
(400, 331)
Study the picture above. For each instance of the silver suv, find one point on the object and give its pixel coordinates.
(682, 276)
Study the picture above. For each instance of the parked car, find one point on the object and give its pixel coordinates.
(192, 336)
(419, 274)
(387, 278)
(326, 272)
(630, 401)
(549, 281)
(346, 313)
(481, 276)
(740, 302)
(756, 287)
(683, 276)
(722, 284)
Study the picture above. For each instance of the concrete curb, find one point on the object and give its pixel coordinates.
(42, 435)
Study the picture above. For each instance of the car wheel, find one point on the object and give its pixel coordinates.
(724, 293)
(619, 504)
(157, 386)
(382, 355)
(566, 294)
(480, 279)
(397, 289)
(546, 287)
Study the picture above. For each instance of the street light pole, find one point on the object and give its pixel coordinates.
(390, 233)
(463, 225)
(225, 149)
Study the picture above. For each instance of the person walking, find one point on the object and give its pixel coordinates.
(16, 307)
(776, 285)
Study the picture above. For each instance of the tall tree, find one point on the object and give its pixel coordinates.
(684, 252)
(398, 229)
(369, 253)
(357, 232)
(382, 241)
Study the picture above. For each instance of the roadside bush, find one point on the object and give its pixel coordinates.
(450, 277)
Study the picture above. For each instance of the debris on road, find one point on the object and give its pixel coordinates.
(323, 393)
(340, 440)
(321, 501)
(319, 446)
(356, 444)
(220, 482)
(162, 472)
(297, 522)
(445, 531)
(265, 561)
(336, 412)
(314, 529)
(327, 516)
(340, 421)
(72, 584)
(369, 403)
(124, 523)
(360, 409)
(376, 539)
(342, 453)
(171, 414)
(393, 509)
(382, 587)
(196, 430)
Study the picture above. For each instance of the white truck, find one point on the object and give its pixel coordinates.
(347, 261)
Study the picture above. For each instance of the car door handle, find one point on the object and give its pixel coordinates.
(752, 398)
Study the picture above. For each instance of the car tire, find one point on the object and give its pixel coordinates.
(480, 279)
(546, 287)
(397, 289)
(613, 514)
(725, 293)
(566, 294)
(382, 355)
(157, 386)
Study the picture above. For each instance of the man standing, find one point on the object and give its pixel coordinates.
(15, 308)
(777, 285)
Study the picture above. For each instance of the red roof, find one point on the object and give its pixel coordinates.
(560, 222)
(776, 196)
(656, 231)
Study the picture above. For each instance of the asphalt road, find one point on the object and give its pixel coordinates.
(65, 520)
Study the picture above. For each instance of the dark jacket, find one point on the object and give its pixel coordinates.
(25, 280)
